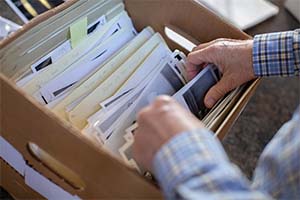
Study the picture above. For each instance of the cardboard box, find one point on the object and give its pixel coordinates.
(14, 183)
(84, 169)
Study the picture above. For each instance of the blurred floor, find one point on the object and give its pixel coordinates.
(273, 103)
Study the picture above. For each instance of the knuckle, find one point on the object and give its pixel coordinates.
(163, 100)
(191, 56)
(164, 110)
(218, 46)
(212, 49)
(143, 114)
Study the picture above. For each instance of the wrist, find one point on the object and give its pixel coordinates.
(173, 137)
(250, 53)
(184, 155)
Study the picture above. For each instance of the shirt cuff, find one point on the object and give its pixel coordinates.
(184, 155)
(273, 54)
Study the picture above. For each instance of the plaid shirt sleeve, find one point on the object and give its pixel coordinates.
(193, 165)
(277, 54)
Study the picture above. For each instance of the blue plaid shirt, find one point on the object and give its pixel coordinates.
(193, 165)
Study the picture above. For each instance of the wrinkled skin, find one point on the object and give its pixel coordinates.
(234, 59)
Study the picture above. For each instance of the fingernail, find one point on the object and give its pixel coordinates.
(210, 102)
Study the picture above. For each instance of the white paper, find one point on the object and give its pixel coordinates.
(180, 65)
(45, 187)
(177, 59)
(97, 24)
(106, 120)
(90, 42)
(12, 156)
(151, 63)
(179, 39)
(51, 57)
(155, 59)
(64, 48)
(116, 99)
(166, 82)
(7, 27)
(119, 37)
(85, 87)
(126, 151)
(72, 105)
(53, 103)
(25, 80)
(137, 82)
(86, 66)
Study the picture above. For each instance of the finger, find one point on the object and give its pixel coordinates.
(204, 45)
(202, 56)
(142, 116)
(217, 92)
(163, 99)
(207, 44)
(192, 74)
(193, 70)
(191, 67)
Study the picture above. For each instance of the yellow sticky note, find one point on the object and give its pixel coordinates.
(78, 31)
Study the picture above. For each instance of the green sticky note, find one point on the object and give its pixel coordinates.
(78, 31)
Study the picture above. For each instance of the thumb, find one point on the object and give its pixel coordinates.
(217, 92)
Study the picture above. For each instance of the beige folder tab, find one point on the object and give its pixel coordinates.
(90, 104)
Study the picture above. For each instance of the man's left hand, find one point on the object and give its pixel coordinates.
(157, 124)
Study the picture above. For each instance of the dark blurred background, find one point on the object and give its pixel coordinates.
(273, 103)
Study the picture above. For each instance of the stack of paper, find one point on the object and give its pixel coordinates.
(98, 72)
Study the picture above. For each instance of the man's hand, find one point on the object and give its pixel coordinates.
(157, 124)
(234, 59)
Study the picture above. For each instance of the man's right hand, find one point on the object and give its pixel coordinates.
(234, 59)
